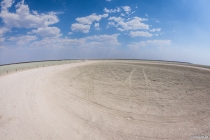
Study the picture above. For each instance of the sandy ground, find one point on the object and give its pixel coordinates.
(105, 101)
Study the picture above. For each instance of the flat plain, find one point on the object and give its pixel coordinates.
(105, 100)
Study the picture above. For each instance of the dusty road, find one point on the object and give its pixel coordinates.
(105, 101)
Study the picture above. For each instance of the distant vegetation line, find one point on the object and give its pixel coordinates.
(14, 67)
(90, 59)
(39, 61)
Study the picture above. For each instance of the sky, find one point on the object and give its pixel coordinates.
(175, 30)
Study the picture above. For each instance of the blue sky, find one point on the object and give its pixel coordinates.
(175, 30)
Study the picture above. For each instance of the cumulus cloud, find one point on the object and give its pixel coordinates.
(122, 14)
(77, 27)
(132, 24)
(155, 30)
(111, 24)
(3, 30)
(83, 23)
(47, 32)
(117, 9)
(96, 25)
(136, 45)
(2, 39)
(116, 19)
(24, 39)
(90, 19)
(23, 18)
(106, 10)
(140, 33)
(40, 23)
(127, 9)
(6, 4)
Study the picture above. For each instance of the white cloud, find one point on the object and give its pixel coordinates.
(108, 0)
(48, 32)
(117, 9)
(120, 29)
(155, 30)
(107, 40)
(127, 9)
(2, 47)
(122, 14)
(136, 45)
(158, 42)
(84, 23)
(6, 4)
(21, 40)
(116, 19)
(23, 18)
(106, 10)
(96, 25)
(111, 23)
(133, 12)
(77, 27)
(133, 24)
(3, 30)
(140, 33)
(87, 42)
(90, 19)
(70, 33)
(2, 39)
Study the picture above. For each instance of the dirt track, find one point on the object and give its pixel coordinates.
(104, 101)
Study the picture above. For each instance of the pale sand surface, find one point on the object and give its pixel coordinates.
(109, 100)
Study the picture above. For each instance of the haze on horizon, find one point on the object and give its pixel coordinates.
(176, 30)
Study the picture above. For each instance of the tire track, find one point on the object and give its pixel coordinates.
(123, 83)
(128, 80)
(148, 82)
(181, 123)
(114, 74)
(90, 89)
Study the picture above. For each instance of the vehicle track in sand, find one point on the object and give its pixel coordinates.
(105, 101)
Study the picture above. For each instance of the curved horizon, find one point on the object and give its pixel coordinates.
(154, 30)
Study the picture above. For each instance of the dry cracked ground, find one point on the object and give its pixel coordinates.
(106, 100)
